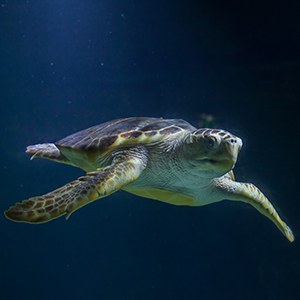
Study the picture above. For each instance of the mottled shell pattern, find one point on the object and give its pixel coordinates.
(123, 132)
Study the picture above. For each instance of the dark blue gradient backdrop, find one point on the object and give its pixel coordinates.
(67, 65)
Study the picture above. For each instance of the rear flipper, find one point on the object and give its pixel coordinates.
(77, 193)
(47, 150)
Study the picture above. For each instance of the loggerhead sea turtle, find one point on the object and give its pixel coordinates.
(163, 159)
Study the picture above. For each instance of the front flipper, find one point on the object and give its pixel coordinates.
(249, 193)
(73, 195)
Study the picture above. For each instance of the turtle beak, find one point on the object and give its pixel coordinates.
(234, 146)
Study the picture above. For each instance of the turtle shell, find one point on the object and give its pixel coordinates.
(123, 132)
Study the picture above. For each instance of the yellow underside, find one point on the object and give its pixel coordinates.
(163, 195)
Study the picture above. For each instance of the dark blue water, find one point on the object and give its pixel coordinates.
(67, 65)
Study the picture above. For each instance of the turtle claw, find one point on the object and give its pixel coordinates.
(34, 155)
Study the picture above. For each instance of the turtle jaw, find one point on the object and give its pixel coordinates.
(213, 167)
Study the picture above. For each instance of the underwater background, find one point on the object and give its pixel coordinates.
(68, 65)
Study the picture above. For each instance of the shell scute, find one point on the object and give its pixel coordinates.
(105, 142)
(150, 133)
(131, 134)
(169, 130)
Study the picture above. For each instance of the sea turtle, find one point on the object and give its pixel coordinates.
(163, 159)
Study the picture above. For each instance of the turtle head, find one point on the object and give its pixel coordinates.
(213, 152)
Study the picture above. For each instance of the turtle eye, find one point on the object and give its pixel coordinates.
(211, 142)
